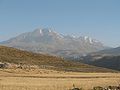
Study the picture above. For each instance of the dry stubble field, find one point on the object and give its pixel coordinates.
(17, 79)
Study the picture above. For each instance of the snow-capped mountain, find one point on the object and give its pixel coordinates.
(46, 40)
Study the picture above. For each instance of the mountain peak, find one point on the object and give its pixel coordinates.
(43, 30)
(46, 32)
(90, 40)
(46, 40)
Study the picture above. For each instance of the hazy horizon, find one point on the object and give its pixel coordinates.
(97, 19)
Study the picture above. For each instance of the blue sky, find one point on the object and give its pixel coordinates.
(99, 19)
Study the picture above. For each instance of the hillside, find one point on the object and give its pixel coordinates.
(109, 58)
(11, 55)
(109, 52)
(111, 62)
(102, 53)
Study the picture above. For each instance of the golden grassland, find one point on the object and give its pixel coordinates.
(42, 79)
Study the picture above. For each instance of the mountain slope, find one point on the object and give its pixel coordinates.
(11, 55)
(111, 62)
(109, 58)
(101, 54)
(50, 42)
(109, 52)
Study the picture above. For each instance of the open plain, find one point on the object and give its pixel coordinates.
(42, 79)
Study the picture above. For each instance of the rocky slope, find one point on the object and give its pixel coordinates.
(48, 41)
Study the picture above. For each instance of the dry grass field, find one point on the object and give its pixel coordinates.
(18, 79)
(31, 71)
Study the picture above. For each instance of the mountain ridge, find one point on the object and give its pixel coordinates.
(48, 41)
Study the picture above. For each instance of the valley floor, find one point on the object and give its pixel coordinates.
(18, 79)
